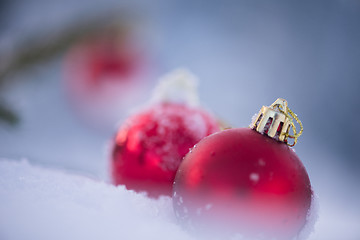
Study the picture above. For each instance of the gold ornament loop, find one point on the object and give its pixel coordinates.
(276, 120)
(291, 116)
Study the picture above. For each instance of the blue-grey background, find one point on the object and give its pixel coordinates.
(245, 53)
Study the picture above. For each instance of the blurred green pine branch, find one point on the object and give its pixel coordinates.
(8, 116)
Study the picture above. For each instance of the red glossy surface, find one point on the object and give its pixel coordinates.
(151, 144)
(240, 181)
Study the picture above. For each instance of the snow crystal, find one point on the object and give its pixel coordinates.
(37, 203)
(261, 162)
(196, 124)
(254, 177)
(253, 118)
(179, 85)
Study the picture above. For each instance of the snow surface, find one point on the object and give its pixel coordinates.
(38, 203)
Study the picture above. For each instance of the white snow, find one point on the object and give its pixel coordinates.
(179, 85)
(254, 177)
(52, 204)
(311, 219)
(38, 203)
(261, 162)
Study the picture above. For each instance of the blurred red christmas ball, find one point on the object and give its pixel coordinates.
(103, 59)
(151, 144)
(240, 181)
(104, 75)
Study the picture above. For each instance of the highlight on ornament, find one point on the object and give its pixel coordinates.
(246, 182)
(150, 144)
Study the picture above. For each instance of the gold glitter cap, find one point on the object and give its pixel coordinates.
(276, 121)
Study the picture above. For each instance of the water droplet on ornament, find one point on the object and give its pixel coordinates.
(261, 162)
(254, 177)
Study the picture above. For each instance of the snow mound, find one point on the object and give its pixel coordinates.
(38, 203)
(311, 218)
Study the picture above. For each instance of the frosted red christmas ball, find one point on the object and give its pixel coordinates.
(240, 181)
(151, 144)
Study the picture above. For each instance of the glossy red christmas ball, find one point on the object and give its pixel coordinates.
(151, 144)
(240, 181)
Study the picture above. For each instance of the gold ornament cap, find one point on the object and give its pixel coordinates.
(276, 120)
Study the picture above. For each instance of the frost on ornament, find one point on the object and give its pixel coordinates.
(178, 86)
(150, 145)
